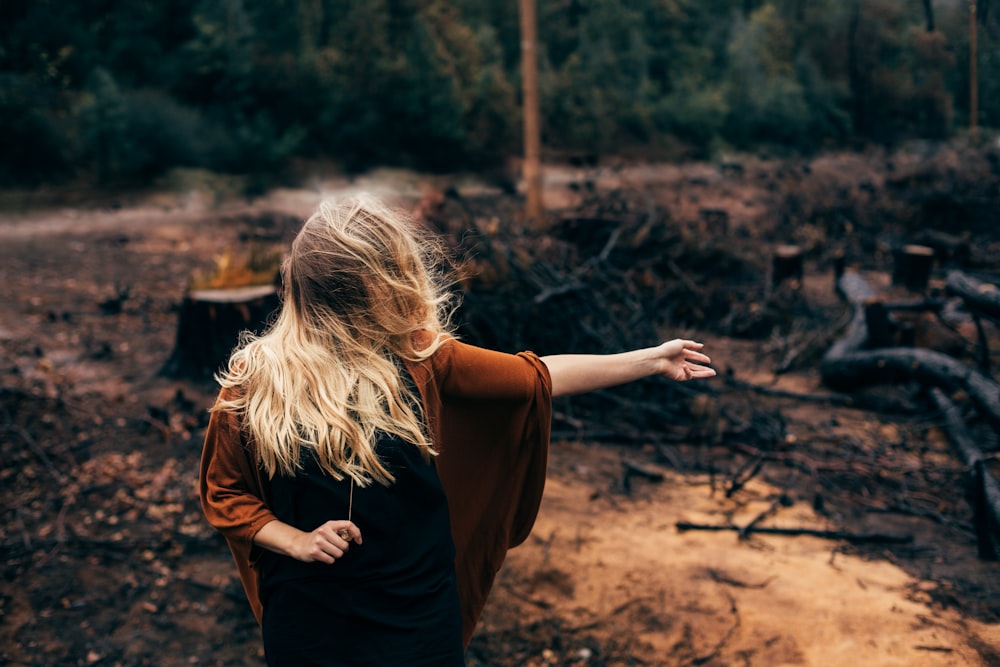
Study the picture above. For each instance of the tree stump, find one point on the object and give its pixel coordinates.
(912, 268)
(879, 324)
(209, 325)
(786, 264)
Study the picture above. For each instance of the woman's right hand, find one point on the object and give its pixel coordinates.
(327, 543)
(324, 544)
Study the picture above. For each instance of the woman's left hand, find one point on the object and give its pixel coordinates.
(681, 360)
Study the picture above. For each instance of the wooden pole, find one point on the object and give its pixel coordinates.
(531, 169)
(973, 74)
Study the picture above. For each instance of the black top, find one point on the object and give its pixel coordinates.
(389, 601)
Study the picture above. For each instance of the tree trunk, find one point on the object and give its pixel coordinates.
(209, 326)
(929, 15)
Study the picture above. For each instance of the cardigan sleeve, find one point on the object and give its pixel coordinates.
(477, 374)
(230, 493)
(489, 414)
(232, 498)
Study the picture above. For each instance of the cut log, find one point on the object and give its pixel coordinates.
(912, 268)
(885, 366)
(209, 325)
(786, 264)
(983, 490)
(980, 297)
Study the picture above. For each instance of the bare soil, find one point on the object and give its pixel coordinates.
(108, 561)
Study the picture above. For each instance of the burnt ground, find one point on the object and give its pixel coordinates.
(108, 561)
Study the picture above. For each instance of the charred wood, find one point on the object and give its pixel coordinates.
(913, 264)
(847, 365)
(855, 369)
(983, 490)
(209, 326)
(980, 297)
(786, 264)
(854, 538)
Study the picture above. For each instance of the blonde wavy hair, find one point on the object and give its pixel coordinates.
(361, 279)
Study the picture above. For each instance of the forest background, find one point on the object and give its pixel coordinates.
(116, 93)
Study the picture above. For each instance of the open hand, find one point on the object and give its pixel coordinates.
(681, 360)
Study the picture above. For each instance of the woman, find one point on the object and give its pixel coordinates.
(368, 471)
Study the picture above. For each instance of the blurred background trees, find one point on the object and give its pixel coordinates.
(116, 92)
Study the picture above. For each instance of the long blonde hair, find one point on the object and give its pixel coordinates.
(359, 282)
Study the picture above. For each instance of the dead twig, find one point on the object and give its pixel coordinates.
(855, 538)
(741, 477)
(781, 501)
(720, 578)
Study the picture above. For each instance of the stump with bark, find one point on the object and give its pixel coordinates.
(210, 323)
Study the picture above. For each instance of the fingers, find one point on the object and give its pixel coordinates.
(694, 371)
(331, 541)
(347, 531)
(693, 363)
(697, 357)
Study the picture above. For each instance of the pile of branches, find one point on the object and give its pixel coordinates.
(614, 274)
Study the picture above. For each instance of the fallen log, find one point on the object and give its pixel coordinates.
(980, 297)
(884, 366)
(983, 490)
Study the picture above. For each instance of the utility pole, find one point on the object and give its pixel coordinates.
(973, 74)
(531, 169)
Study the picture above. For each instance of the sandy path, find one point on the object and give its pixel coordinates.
(711, 598)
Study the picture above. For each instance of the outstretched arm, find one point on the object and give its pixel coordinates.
(579, 373)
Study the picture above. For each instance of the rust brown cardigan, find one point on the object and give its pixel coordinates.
(489, 416)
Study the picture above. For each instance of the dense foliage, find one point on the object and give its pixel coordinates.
(119, 91)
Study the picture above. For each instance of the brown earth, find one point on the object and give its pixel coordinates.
(108, 561)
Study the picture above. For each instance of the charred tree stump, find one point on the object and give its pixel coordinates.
(912, 268)
(209, 325)
(878, 324)
(786, 264)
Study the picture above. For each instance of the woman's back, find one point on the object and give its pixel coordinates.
(389, 601)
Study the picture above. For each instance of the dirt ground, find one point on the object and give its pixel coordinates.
(108, 561)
